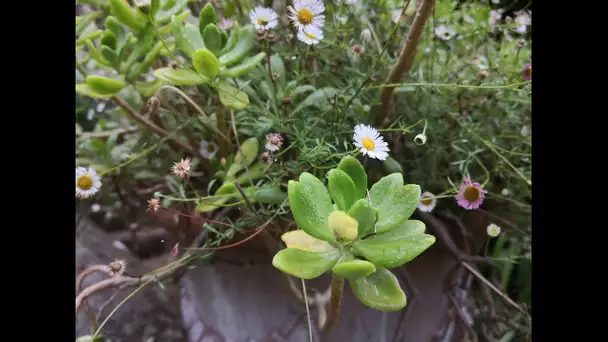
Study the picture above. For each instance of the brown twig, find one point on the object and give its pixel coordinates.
(405, 60)
(175, 143)
(87, 272)
(335, 303)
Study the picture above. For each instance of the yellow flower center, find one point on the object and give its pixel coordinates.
(85, 182)
(261, 21)
(368, 143)
(304, 16)
(471, 193)
(310, 35)
(427, 200)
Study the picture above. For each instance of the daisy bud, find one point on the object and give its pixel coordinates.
(420, 139)
(493, 230)
(504, 192)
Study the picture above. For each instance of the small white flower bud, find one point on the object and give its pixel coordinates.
(420, 139)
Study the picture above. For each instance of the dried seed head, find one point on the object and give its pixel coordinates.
(153, 105)
(173, 64)
(521, 43)
(483, 74)
(357, 49)
(182, 168)
(153, 205)
(265, 157)
(116, 268)
(286, 101)
(274, 141)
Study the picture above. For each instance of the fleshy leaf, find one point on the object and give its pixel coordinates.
(86, 91)
(353, 269)
(104, 85)
(213, 39)
(397, 246)
(344, 227)
(232, 97)
(394, 201)
(225, 193)
(303, 264)
(311, 205)
(341, 188)
(205, 63)
(246, 155)
(363, 212)
(180, 76)
(356, 172)
(379, 290)
(300, 240)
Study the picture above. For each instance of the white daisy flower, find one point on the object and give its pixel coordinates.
(442, 32)
(226, 24)
(311, 35)
(427, 203)
(208, 149)
(522, 20)
(264, 18)
(342, 19)
(370, 142)
(396, 14)
(493, 230)
(481, 62)
(366, 35)
(88, 182)
(306, 13)
(494, 18)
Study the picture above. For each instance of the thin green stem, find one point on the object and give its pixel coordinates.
(307, 310)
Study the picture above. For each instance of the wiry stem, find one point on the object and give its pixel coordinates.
(406, 58)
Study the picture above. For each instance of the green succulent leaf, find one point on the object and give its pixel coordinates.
(244, 67)
(397, 246)
(84, 89)
(379, 290)
(394, 202)
(363, 212)
(104, 85)
(353, 269)
(180, 76)
(303, 264)
(356, 172)
(205, 63)
(125, 14)
(341, 188)
(213, 39)
(232, 97)
(245, 43)
(311, 205)
(206, 17)
(181, 40)
(194, 37)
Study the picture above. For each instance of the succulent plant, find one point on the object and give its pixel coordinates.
(358, 235)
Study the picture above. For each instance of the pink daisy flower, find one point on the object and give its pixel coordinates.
(526, 73)
(470, 195)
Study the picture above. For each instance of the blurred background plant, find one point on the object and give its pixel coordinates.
(467, 99)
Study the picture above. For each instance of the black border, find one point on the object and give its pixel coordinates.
(567, 148)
